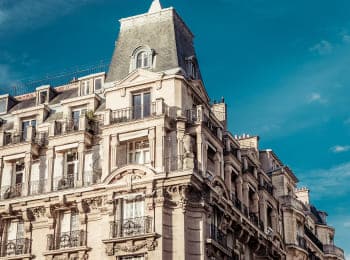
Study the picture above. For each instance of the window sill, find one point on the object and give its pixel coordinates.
(15, 257)
(67, 250)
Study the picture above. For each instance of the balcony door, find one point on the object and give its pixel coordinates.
(141, 105)
(25, 125)
(15, 237)
(69, 230)
(76, 115)
(18, 178)
(133, 217)
(72, 164)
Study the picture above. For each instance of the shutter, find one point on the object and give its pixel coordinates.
(6, 175)
(121, 155)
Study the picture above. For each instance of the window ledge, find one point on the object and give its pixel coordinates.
(19, 257)
(123, 239)
(67, 250)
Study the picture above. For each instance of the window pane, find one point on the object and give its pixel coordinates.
(136, 103)
(75, 222)
(146, 104)
(65, 222)
(139, 60)
(43, 97)
(3, 103)
(12, 231)
(138, 158)
(145, 60)
(147, 156)
(98, 84)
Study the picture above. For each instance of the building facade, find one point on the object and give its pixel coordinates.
(137, 164)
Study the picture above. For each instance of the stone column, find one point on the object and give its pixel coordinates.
(160, 137)
(27, 167)
(50, 155)
(255, 206)
(245, 188)
(262, 205)
(181, 125)
(227, 178)
(114, 147)
(239, 189)
(201, 151)
(81, 158)
(106, 166)
(152, 145)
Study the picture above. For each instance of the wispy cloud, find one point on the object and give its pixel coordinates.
(347, 121)
(340, 148)
(322, 48)
(316, 98)
(22, 14)
(330, 183)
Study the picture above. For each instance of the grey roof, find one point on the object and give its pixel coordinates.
(162, 31)
(70, 93)
(24, 104)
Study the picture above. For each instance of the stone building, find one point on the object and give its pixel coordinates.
(138, 164)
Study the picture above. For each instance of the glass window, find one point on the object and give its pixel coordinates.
(141, 105)
(25, 125)
(15, 230)
(3, 105)
(139, 152)
(85, 88)
(72, 163)
(142, 60)
(98, 84)
(42, 97)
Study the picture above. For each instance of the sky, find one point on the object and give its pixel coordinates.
(282, 66)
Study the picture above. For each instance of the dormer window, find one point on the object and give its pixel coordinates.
(98, 84)
(142, 58)
(43, 96)
(3, 105)
(85, 88)
(192, 68)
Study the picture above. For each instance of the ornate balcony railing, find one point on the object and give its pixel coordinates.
(133, 113)
(63, 183)
(11, 191)
(16, 247)
(64, 240)
(313, 238)
(333, 250)
(131, 227)
(38, 187)
(217, 235)
(72, 125)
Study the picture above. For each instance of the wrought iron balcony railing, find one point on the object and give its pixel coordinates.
(217, 235)
(64, 240)
(133, 113)
(131, 227)
(63, 183)
(11, 191)
(313, 238)
(16, 247)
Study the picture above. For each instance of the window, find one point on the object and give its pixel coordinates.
(76, 115)
(3, 105)
(269, 217)
(98, 84)
(43, 97)
(15, 238)
(69, 230)
(141, 105)
(142, 60)
(72, 163)
(139, 152)
(25, 125)
(85, 88)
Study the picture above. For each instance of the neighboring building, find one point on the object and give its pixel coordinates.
(137, 164)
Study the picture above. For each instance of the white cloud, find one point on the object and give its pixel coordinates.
(340, 148)
(316, 98)
(322, 48)
(329, 183)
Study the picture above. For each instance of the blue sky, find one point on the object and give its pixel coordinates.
(283, 67)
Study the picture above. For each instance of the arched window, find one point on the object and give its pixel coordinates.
(142, 60)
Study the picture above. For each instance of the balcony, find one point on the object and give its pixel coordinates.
(63, 183)
(16, 247)
(333, 250)
(72, 125)
(218, 236)
(11, 191)
(313, 238)
(290, 201)
(66, 240)
(131, 227)
(133, 113)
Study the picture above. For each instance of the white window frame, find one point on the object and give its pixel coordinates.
(39, 97)
(147, 54)
(75, 163)
(133, 150)
(95, 80)
(15, 172)
(85, 88)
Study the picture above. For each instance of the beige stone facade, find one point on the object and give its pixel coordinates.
(138, 164)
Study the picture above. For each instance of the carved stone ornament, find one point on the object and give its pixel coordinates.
(39, 212)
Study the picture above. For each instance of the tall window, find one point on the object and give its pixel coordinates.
(72, 163)
(43, 97)
(69, 229)
(85, 88)
(15, 237)
(76, 115)
(139, 152)
(98, 84)
(141, 104)
(142, 60)
(3, 105)
(25, 125)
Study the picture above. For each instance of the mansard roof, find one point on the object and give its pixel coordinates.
(163, 31)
